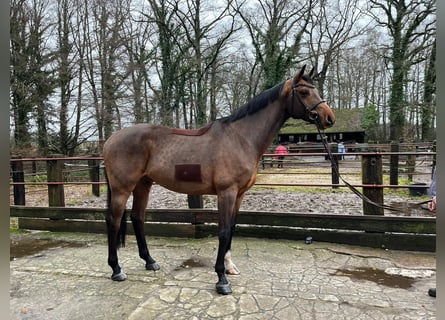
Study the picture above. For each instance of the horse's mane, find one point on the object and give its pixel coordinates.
(258, 103)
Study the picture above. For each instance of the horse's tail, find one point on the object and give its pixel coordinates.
(123, 226)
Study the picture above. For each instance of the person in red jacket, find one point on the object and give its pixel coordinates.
(280, 150)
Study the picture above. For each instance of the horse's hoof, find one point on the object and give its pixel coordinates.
(223, 288)
(119, 276)
(152, 266)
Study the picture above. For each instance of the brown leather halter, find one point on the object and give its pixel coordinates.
(310, 113)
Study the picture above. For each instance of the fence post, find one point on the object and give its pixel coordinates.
(394, 165)
(334, 164)
(94, 166)
(34, 168)
(18, 176)
(372, 174)
(195, 201)
(56, 194)
(410, 163)
(434, 158)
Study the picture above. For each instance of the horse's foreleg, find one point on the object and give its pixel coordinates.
(113, 220)
(140, 200)
(230, 267)
(226, 206)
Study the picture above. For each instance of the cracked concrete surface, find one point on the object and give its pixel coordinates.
(279, 280)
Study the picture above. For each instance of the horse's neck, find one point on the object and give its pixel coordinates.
(260, 128)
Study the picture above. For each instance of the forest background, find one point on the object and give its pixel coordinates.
(82, 69)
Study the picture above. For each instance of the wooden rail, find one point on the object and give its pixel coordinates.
(386, 232)
(371, 171)
(371, 229)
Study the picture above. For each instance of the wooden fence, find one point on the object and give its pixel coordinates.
(386, 232)
(372, 168)
(370, 229)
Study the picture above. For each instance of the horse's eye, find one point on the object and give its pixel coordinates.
(304, 93)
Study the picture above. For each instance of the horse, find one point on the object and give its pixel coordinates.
(221, 158)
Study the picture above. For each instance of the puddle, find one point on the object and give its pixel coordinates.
(194, 262)
(378, 276)
(28, 247)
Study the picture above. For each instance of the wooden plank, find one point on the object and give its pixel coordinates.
(329, 221)
(167, 215)
(59, 213)
(421, 225)
(402, 233)
(161, 215)
(411, 242)
(346, 222)
(375, 240)
(91, 226)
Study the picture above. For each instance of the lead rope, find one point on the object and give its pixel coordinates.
(351, 187)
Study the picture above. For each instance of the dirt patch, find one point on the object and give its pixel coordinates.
(377, 276)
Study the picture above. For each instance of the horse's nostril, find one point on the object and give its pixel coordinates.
(331, 121)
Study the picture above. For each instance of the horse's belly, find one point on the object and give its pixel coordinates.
(192, 188)
(183, 178)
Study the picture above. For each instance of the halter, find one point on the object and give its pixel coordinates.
(308, 111)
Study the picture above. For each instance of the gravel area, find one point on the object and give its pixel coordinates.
(340, 201)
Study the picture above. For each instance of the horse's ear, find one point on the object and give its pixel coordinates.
(311, 74)
(300, 74)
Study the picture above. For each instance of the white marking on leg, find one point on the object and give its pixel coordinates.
(229, 265)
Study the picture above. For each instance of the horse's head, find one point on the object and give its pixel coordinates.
(306, 103)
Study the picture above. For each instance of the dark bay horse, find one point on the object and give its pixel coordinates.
(221, 159)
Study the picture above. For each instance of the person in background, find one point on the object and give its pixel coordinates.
(280, 150)
(341, 149)
(432, 207)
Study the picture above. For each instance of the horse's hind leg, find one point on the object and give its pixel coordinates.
(140, 200)
(116, 207)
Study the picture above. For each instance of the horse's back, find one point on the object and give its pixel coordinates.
(133, 136)
(164, 155)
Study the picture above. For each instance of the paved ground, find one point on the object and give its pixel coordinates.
(279, 280)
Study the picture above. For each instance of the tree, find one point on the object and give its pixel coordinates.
(276, 29)
(105, 50)
(188, 49)
(65, 72)
(171, 53)
(428, 96)
(411, 25)
(31, 77)
(370, 121)
(207, 39)
(334, 25)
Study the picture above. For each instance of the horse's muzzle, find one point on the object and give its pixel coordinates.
(326, 117)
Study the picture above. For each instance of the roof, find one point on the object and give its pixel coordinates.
(347, 120)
